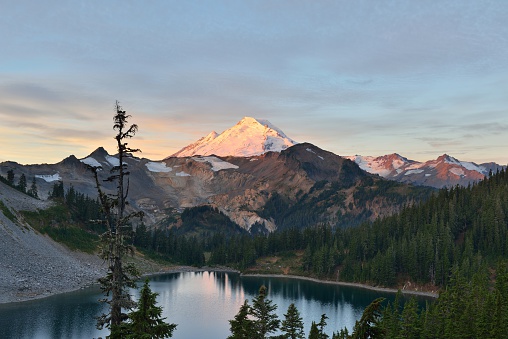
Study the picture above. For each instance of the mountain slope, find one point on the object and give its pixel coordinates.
(247, 138)
(445, 171)
(297, 187)
(34, 265)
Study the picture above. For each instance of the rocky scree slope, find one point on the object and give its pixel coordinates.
(33, 265)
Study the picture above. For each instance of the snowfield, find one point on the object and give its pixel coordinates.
(217, 164)
(158, 167)
(91, 162)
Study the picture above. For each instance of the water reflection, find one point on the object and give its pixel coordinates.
(201, 303)
(69, 315)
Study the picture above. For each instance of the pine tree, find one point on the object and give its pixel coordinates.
(10, 177)
(410, 327)
(22, 183)
(33, 189)
(321, 325)
(241, 326)
(317, 330)
(293, 323)
(57, 191)
(146, 321)
(265, 320)
(114, 244)
(314, 331)
(368, 325)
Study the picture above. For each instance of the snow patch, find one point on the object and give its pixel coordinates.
(217, 164)
(371, 165)
(311, 151)
(398, 164)
(415, 165)
(158, 167)
(182, 174)
(457, 171)
(452, 160)
(471, 166)
(49, 178)
(91, 162)
(414, 171)
(428, 175)
(112, 160)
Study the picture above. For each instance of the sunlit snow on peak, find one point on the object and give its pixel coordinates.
(248, 137)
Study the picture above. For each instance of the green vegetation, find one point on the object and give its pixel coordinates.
(7, 212)
(465, 309)
(313, 208)
(64, 225)
(146, 321)
(461, 227)
(256, 321)
(22, 184)
(168, 245)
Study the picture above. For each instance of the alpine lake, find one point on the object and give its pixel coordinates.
(200, 303)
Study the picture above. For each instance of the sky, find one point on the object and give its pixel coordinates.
(418, 78)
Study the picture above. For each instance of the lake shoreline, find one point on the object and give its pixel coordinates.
(344, 283)
(183, 269)
(13, 296)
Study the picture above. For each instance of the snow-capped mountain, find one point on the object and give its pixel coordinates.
(249, 137)
(445, 171)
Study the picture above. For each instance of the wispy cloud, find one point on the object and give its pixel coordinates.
(352, 77)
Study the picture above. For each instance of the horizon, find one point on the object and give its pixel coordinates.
(100, 148)
(366, 78)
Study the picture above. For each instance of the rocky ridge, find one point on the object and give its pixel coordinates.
(445, 171)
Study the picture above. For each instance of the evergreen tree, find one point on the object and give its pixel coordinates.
(314, 331)
(146, 321)
(368, 326)
(321, 326)
(409, 327)
(263, 310)
(10, 177)
(57, 191)
(241, 326)
(292, 323)
(33, 189)
(114, 244)
(317, 330)
(22, 183)
(342, 334)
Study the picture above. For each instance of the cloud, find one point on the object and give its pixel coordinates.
(359, 76)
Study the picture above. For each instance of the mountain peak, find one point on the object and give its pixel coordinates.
(99, 151)
(249, 137)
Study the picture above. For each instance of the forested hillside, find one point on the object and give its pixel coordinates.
(459, 227)
(457, 241)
